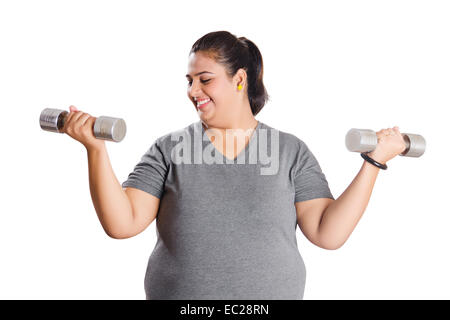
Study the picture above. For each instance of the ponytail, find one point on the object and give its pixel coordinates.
(257, 93)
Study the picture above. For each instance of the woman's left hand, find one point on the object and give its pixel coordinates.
(390, 144)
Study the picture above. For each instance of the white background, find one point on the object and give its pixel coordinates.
(328, 66)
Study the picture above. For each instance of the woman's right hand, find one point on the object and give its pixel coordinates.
(80, 126)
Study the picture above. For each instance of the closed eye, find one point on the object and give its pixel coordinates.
(203, 81)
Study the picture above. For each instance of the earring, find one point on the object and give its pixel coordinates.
(239, 87)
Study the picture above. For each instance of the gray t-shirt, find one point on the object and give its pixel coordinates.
(227, 230)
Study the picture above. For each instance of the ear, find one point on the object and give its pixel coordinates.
(240, 78)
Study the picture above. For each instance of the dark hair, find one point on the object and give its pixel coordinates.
(235, 53)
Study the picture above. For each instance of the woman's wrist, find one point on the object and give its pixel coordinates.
(376, 157)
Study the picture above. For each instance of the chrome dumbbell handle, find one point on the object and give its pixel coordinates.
(105, 128)
(365, 140)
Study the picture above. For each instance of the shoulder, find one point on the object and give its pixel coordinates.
(287, 140)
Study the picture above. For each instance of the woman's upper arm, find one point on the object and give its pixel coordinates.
(309, 214)
(144, 206)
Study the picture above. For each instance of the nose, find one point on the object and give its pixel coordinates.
(194, 90)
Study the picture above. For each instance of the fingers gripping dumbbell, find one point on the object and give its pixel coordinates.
(365, 140)
(105, 128)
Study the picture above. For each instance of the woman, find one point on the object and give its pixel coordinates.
(226, 228)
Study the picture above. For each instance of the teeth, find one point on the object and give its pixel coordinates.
(199, 103)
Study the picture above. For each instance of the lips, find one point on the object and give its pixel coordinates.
(203, 105)
(200, 102)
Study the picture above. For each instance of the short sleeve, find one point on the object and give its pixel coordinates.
(150, 173)
(309, 180)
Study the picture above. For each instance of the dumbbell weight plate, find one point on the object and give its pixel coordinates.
(52, 119)
(108, 128)
(415, 145)
(361, 140)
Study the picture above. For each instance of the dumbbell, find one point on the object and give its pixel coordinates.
(365, 140)
(105, 128)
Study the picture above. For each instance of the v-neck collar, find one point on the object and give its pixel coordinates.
(243, 151)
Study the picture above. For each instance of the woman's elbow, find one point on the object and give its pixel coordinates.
(330, 245)
(118, 235)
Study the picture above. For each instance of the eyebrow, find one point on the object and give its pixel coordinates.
(188, 76)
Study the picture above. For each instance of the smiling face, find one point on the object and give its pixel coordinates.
(208, 79)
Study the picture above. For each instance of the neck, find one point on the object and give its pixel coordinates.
(244, 120)
(235, 124)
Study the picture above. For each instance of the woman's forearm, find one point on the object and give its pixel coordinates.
(110, 201)
(340, 218)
